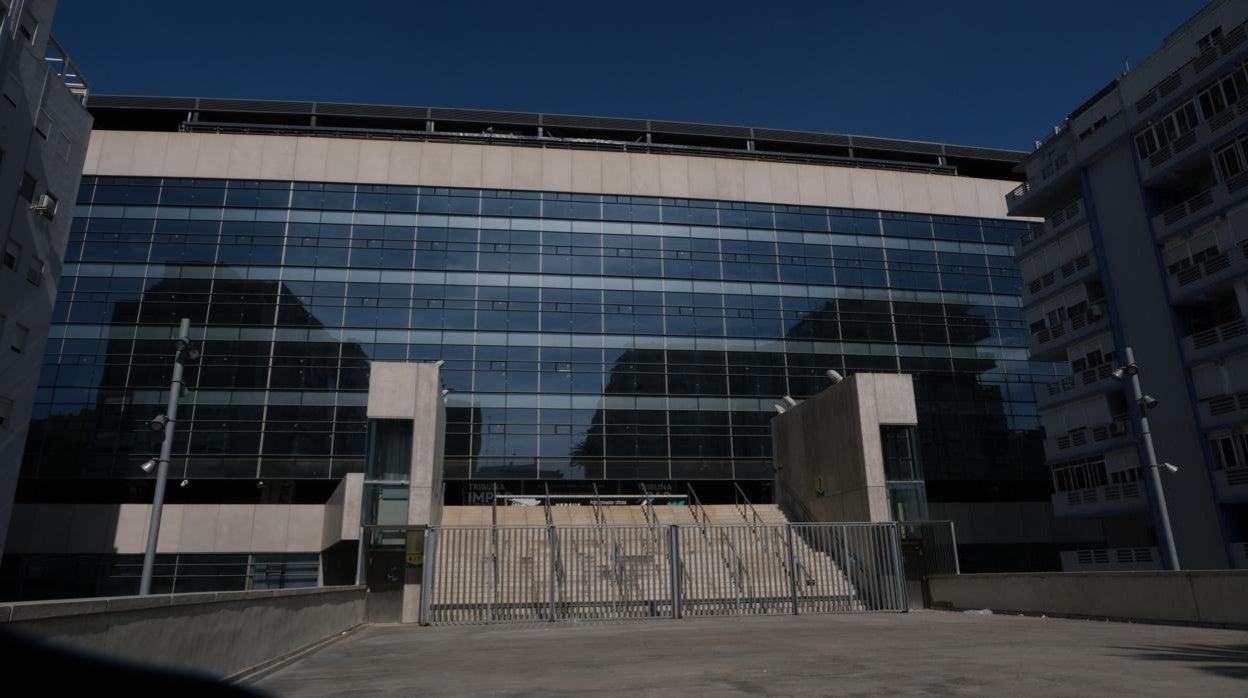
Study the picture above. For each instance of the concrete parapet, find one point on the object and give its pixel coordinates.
(1203, 597)
(221, 633)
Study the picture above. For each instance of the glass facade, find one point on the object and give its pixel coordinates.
(585, 337)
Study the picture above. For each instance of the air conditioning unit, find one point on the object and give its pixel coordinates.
(45, 206)
(1117, 428)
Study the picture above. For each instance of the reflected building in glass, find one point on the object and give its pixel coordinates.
(617, 302)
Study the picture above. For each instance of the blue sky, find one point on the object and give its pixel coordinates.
(972, 72)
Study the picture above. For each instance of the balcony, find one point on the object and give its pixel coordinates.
(1077, 269)
(1223, 411)
(1200, 207)
(64, 68)
(1038, 195)
(1201, 69)
(1110, 560)
(1193, 145)
(1088, 440)
(1214, 272)
(1086, 383)
(1215, 341)
(1045, 344)
(1106, 500)
(1232, 484)
(1058, 222)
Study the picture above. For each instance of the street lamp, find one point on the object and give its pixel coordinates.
(1146, 403)
(165, 422)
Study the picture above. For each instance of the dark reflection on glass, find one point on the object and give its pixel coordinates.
(611, 351)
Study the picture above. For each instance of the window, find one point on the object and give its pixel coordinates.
(1230, 161)
(21, 335)
(29, 184)
(34, 274)
(6, 412)
(12, 253)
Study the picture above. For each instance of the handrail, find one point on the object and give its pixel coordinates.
(494, 505)
(748, 511)
(704, 524)
(782, 542)
(600, 516)
(550, 519)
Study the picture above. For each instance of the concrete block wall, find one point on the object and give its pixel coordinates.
(834, 438)
(1204, 597)
(221, 633)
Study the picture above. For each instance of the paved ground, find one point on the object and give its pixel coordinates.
(923, 653)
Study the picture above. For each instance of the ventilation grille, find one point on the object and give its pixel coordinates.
(255, 105)
(699, 129)
(768, 134)
(371, 110)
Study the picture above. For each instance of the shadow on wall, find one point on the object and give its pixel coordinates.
(1224, 660)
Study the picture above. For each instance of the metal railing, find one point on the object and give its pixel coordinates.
(489, 574)
(938, 543)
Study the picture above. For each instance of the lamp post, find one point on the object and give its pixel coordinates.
(165, 423)
(1145, 403)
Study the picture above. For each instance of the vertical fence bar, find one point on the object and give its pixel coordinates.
(673, 556)
(792, 567)
(426, 574)
(903, 600)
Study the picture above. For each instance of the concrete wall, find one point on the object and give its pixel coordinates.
(835, 435)
(33, 95)
(220, 633)
(190, 528)
(317, 159)
(1135, 287)
(402, 390)
(1203, 597)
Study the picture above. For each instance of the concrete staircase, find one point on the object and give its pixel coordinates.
(623, 569)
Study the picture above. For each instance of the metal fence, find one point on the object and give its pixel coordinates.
(545, 573)
(937, 542)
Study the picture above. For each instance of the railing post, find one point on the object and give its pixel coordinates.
(550, 536)
(673, 553)
(953, 546)
(792, 567)
(360, 556)
(427, 576)
(899, 570)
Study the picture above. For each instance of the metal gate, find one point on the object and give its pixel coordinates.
(492, 574)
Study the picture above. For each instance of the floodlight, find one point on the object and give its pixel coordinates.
(149, 465)
(1148, 402)
(439, 363)
(1171, 467)
(779, 408)
(834, 376)
(789, 401)
(184, 483)
(158, 423)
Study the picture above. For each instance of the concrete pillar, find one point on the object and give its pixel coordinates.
(828, 452)
(414, 391)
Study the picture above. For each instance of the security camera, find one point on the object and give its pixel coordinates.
(1171, 467)
(446, 391)
(149, 465)
(158, 423)
(779, 408)
(1124, 371)
(789, 401)
(1148, 402)
(834, 376)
